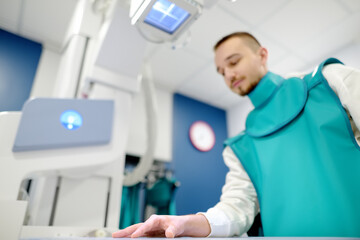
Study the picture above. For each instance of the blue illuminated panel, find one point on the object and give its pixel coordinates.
(71, 120)
(166, 16)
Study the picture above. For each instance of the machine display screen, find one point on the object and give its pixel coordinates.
(166, 16)
(53, 123)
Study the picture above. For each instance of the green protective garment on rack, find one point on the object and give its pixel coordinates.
(162, 196)
(130, 206)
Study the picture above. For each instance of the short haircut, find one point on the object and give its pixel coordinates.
(248, 38)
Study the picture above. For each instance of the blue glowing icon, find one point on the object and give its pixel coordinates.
(71, 120)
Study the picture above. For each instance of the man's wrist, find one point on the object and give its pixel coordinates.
(197, 226)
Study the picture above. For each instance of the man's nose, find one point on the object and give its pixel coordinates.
(229, 74)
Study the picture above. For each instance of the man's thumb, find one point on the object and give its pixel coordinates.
(170, 232)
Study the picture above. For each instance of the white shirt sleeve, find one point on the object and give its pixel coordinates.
(345, 82)
(238, 205)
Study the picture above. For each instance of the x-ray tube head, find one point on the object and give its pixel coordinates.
(163, 20)
(166, 16)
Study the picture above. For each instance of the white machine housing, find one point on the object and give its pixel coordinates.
(104, 160)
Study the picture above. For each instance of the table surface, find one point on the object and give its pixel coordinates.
(254, 238)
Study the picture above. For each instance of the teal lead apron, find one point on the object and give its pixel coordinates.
(300, 153)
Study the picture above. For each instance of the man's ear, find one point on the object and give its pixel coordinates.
(263, 53)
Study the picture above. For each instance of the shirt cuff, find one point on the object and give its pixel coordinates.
(219, 222)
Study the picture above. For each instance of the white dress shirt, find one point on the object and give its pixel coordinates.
(234, 214)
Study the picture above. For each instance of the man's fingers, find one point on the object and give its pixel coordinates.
(153, 224)
(126, 232)
(119, 234)
(141, 231)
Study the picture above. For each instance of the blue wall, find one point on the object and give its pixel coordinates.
(201, 174)
(19, 58)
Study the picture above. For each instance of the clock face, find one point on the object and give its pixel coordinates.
(202, 136)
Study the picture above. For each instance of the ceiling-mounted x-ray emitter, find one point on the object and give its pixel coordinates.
(163, 20)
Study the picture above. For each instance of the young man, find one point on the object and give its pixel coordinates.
(298, 157)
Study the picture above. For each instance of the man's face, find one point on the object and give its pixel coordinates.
(241, 66)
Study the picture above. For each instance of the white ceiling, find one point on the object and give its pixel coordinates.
(298, 34)
(50, 22)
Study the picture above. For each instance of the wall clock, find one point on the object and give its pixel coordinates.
(202, 136)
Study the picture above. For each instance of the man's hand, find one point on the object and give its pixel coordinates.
(168, 226)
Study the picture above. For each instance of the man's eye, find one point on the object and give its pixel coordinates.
(233, 63)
